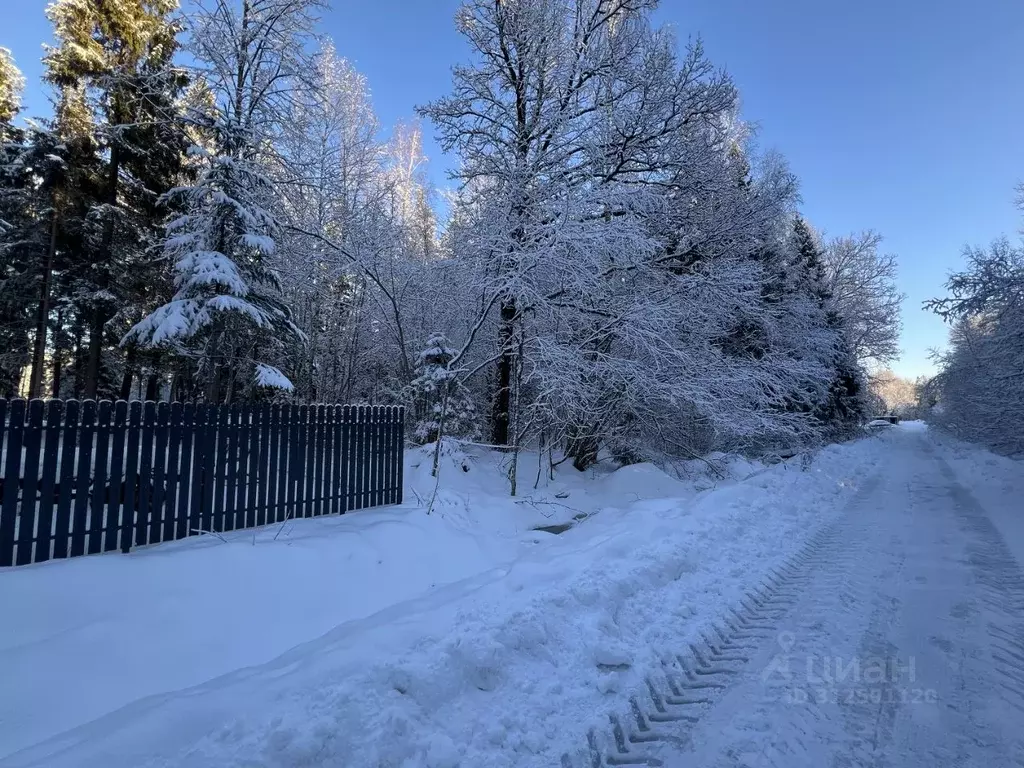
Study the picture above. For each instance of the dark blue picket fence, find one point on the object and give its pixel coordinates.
(78, 478)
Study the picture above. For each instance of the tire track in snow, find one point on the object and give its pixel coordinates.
(691, 680)
(895, 585)
(1000, 581)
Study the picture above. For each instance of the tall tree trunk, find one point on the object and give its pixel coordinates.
(129, 375)
(506, 363)
(79, 373)
(100, 315)
(35, 383)
(153, 387)
(58, 356)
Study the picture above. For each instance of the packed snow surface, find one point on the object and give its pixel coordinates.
(394, 637)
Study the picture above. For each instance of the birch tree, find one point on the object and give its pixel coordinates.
(863, 283)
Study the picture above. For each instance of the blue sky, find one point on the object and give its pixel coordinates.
(903, 116)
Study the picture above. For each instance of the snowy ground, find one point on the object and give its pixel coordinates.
(462, 638)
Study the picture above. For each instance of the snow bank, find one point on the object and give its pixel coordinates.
(643, 481)
(392, 637)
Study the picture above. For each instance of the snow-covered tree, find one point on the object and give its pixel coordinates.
(895, 394)
(842, 405)
(979, 387)
(227, 317)
(561, 121)
(226, 311)
(12, 83)
(862, 280)
(441, 405)
(626, 249)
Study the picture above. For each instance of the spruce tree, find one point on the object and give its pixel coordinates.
(844, 403)
(11, 86)
(228, 317)
(441, 403)
(15, 277)
(117, 86)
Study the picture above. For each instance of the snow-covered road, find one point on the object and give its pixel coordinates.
(895, 639)
(865, 608)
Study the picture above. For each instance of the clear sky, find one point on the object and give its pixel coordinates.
(904, 116)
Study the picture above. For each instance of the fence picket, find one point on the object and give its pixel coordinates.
(317, 470)
(195, 507)
(97, 518)
(371, 452)
(398, 456)
(133, 524)
(33, 441)
(115, 490)
(12, 469)
(209, 466)
(275, 473)
(68, 452)
(246, 444)
(219, 470)
(257, 495)
(371, 459)
(161, 456)
(367, 461)
(86, 451)
(231, 510)
(185, 480)
(163, 520)
(308, 463)
(171, 520)
(363, 464)
(344, 440)
(334, 465)
(294, 461)
(350, 460)
(144, 507)
(297, 471)
(401, 455)
(327, 507)
(389, 445)
(353, 458)
(51, 451)
(381, 428)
